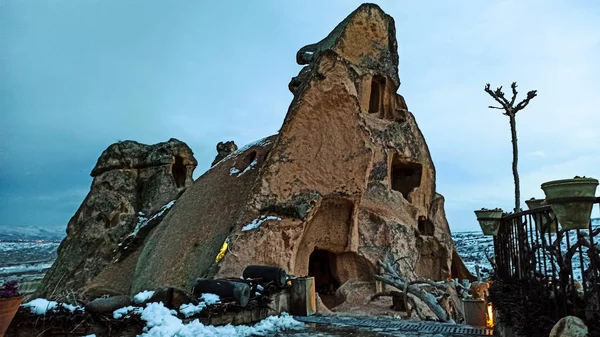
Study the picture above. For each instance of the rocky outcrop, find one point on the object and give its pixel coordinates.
(346, 181)
(569, 326)
(223, 150)
(134, 185)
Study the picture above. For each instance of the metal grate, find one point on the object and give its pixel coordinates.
(404, 326)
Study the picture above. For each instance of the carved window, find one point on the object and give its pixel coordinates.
(178, 171)
(377, 92)
(425, 226)
(405, 176)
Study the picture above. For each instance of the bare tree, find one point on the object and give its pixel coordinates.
(511, 110)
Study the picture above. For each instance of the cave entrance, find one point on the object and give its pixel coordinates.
(377, 91)
(426, 226)
(405, 176)
(179, 172)
(320, 266)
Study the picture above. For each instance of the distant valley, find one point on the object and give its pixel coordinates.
(31, 233)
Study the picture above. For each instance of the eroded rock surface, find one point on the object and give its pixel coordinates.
(223, 150)
(134, 185)
(346, 181)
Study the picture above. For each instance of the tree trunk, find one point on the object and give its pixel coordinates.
(515, 152)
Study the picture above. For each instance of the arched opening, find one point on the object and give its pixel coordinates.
(425, 226)
(179, 172)
(405, 176)
(320, 266)
(377, 91)
(245, 163)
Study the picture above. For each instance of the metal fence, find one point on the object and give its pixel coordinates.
(559, 269)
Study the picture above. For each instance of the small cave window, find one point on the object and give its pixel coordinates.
(425, 226)
(405, 176)
(243, 163)
(377, 91)
(320, 267)
(178, 171)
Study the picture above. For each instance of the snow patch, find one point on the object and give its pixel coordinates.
(143, 221)
(210, 299)
(189, 309)
(40, 306)
(236, 172)
(207, 299)
(143, 296)
(72, 308)
(119, 313)
(160, 322)
(259, 221)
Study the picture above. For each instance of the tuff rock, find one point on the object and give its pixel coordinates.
(131, 183)
(347, 181)
(223, 150)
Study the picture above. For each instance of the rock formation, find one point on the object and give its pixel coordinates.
(347, 181)
(132, 182)
(223, 150)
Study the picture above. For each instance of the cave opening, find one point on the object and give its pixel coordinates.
(405, 176)
(178, 171)
(320, 266)
(377, 91)
(425, 226)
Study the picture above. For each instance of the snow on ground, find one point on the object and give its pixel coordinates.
(119, 313)
(161, 322)
(24, 268)
(143, 296)
(40, 306)
(474, 246)
(207, 299)
(210, 299)
(259, 221)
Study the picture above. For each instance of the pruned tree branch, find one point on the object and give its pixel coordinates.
(393, 278)
(513, 86)
(525, 102)
(511, 110)
(495, 96)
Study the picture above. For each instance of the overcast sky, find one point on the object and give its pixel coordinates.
(78, 75)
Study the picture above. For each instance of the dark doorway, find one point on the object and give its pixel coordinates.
(377, 91)
(319, 266)
(178, 172)
(405, 176)
(425, 226)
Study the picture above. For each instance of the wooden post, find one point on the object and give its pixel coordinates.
(378, 284)
(475, 312)
(302, 296)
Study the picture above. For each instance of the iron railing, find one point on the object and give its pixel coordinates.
(559, 269)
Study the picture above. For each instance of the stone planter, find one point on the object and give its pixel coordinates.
(8, 309)
(489, 220)
(544, 223)
(573, 214)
